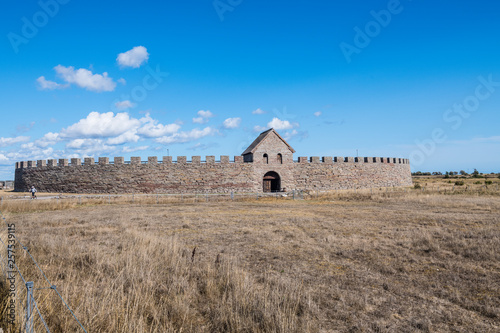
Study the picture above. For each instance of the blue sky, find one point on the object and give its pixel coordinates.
(412, 79)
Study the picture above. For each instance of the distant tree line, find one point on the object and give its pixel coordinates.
(448, 174)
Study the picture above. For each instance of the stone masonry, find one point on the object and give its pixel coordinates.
(268, 157)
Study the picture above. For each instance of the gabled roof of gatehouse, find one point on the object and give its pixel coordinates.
(261, 138)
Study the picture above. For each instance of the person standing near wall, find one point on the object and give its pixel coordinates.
(33, 192)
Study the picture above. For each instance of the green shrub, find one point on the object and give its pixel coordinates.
(459, 183)
(417, 186)
(478, 182)
(488, 182)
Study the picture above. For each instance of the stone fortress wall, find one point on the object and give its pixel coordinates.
(266, 165)
(208, 176)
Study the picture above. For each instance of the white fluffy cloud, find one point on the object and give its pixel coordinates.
(29, 152)
(117, 129)
(279, 124)
(48, 139)
(83, 143)
(182, 137)
(205, 114)
(102, 133)
(153, 129)
(258, 111)
(4, 142)
(88, 147)
(133, 58)
(157, 130)
(101, 125)
(129, 136)
(44, 84)
(85, 79)
(318, 113)
(123, 105)
(203, 117)
(231, 122)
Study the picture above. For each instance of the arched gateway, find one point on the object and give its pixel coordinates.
(271, 182)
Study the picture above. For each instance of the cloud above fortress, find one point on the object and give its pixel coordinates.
(108, 132)
(101, 125)
(121, 128)
(203, 117)
(81, 77)
(86, 79)
(123, 131)
(4, 142)
(134, 58)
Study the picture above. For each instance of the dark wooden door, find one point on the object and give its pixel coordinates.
(267, 185)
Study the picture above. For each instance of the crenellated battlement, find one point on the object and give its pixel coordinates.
(341, 159)
(152, 160)
(210, 159)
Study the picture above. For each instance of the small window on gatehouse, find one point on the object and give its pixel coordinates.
(266, 159)
(280, 159)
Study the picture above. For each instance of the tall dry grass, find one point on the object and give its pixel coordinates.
(121, 280)
(387, 261)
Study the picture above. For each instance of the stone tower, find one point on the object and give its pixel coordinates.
(272, 157)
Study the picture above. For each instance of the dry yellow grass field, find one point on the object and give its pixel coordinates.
(407, 261)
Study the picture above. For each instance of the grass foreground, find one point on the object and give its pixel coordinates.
(386, 262)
